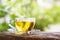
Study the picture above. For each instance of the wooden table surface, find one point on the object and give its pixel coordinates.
(40, 36)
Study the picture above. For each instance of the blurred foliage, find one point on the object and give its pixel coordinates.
(2, 11)
(13, 16)
(2, 7)
(30, 8)
(4, 26)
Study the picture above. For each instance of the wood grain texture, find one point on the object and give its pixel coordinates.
(40, 36)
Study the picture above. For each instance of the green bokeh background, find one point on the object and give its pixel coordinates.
(30, 8)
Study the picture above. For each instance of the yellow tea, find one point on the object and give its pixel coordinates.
(24, 25)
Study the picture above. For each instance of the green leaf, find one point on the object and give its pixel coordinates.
(13, 16)
(2, 7)
(3, 13)
(4, 26)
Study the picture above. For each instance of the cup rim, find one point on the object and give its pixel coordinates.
(26, 19)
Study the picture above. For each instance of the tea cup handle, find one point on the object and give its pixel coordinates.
(11, 25)
(12, 29)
